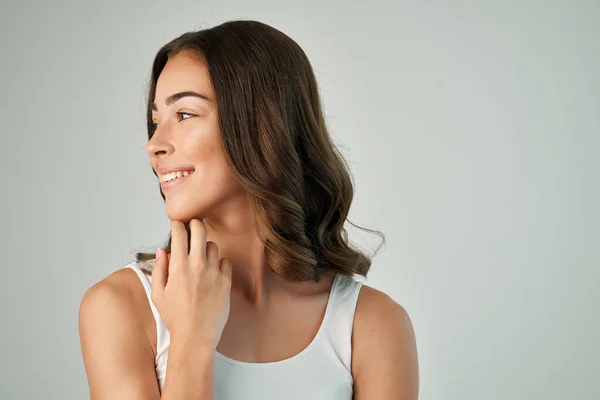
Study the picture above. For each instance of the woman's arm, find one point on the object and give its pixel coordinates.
(118, 355)
(384, 351)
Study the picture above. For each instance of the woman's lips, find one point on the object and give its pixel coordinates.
(173, 182)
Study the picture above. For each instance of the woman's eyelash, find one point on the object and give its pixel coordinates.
(180, 113)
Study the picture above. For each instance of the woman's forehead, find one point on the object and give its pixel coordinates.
(183, 74)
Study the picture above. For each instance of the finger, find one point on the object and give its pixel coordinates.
(212, 254)
(226, 268)
(197, 241)
(179, 247)
(159, 275)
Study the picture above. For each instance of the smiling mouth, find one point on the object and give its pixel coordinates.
(175, 181)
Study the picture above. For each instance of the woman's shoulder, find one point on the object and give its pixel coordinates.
(377, 309)
(113, 329)
(121, 286)
(119, 298)
(382, 331)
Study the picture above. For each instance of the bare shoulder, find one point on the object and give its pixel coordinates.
(120, 297)
(384, 353)
(113, 328)
(113, 296)
(378, 317)
(119, 282)
(120, 293)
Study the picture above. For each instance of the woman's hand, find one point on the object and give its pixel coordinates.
(191, 289)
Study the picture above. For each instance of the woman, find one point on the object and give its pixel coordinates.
(254, 296)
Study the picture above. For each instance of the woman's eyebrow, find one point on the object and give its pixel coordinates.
(174, 97)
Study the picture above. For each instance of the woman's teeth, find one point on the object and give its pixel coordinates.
(174, 175)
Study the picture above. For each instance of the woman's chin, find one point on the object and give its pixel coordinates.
(181, 213)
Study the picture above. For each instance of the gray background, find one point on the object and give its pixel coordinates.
(472, 129)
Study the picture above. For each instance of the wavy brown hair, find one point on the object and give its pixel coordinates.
(275, 140)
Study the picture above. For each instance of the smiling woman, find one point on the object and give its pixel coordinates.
(254, 294)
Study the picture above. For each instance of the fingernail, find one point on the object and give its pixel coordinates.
(157, 254)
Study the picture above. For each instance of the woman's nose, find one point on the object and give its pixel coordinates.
(157, 144)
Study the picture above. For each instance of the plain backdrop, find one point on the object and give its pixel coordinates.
(472, 129)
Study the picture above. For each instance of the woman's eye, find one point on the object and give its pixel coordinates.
(181, 114)
(181, 118)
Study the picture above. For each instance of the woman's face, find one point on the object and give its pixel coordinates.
(187, 135)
